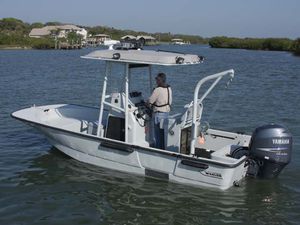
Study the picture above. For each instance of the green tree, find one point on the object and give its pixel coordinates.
(272, 44)
(36, 25)
(296, 47)
(54, 23)
(73, 38)
(42, 43)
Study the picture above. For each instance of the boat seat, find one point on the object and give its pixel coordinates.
(187, 116)
(223, 154)
(92, 128)
(174, 124)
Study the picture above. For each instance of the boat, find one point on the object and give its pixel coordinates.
(128, 45)
(110, 42)
(179, 41)
(119, 134)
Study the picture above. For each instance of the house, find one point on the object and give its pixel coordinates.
(98, 39)
(102, 37)
(65, 29)
(59, 31)
(143, 39)
(40, 32)
(128, 38)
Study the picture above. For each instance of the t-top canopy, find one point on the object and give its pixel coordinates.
(149, 57)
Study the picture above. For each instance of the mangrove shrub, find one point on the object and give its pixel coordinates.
(272, 44)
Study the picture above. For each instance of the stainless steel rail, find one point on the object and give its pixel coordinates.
(196, 121)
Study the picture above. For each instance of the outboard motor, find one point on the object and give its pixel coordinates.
(270, 150)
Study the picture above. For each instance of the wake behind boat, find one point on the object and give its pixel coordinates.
(120, 133)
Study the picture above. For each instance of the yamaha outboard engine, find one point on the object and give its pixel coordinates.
(270, 150)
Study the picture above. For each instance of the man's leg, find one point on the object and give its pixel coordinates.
(157, 135)
(161, 139)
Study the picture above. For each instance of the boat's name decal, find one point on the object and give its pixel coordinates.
(211, 174)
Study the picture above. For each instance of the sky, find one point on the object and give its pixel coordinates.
(207, 18)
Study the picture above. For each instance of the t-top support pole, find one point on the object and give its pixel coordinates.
(150, 79)
(100, 126)
(126, 99)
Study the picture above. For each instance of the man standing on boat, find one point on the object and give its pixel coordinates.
(160, 100)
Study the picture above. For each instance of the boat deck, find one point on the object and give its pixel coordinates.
(75, 118)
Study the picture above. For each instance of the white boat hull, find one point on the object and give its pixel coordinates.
(110, 42)
(147, 161)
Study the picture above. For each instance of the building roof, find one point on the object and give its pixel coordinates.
(44, 31)
(148, 57)
(68, 27)
(145, 37)
(129, 36)
(39, 32)
(101, 35)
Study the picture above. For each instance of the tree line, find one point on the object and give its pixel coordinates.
(15, 33)
(270, 44)
(160, 37)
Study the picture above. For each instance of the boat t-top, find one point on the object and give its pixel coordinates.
(119, 134)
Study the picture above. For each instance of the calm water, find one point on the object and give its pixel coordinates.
(39, 185)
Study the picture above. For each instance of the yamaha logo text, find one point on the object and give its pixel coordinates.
(281, 141)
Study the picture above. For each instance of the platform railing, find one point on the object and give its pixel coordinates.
(196, 119)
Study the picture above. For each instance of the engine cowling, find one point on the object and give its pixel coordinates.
(270, 150)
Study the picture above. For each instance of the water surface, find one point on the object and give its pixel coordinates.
(40, 185)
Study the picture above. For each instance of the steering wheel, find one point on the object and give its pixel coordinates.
(143, 112)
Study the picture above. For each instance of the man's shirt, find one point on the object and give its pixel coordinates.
(160, 97)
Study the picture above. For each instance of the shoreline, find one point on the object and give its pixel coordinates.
(15, 48)
(258, 44)
(5, 47)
